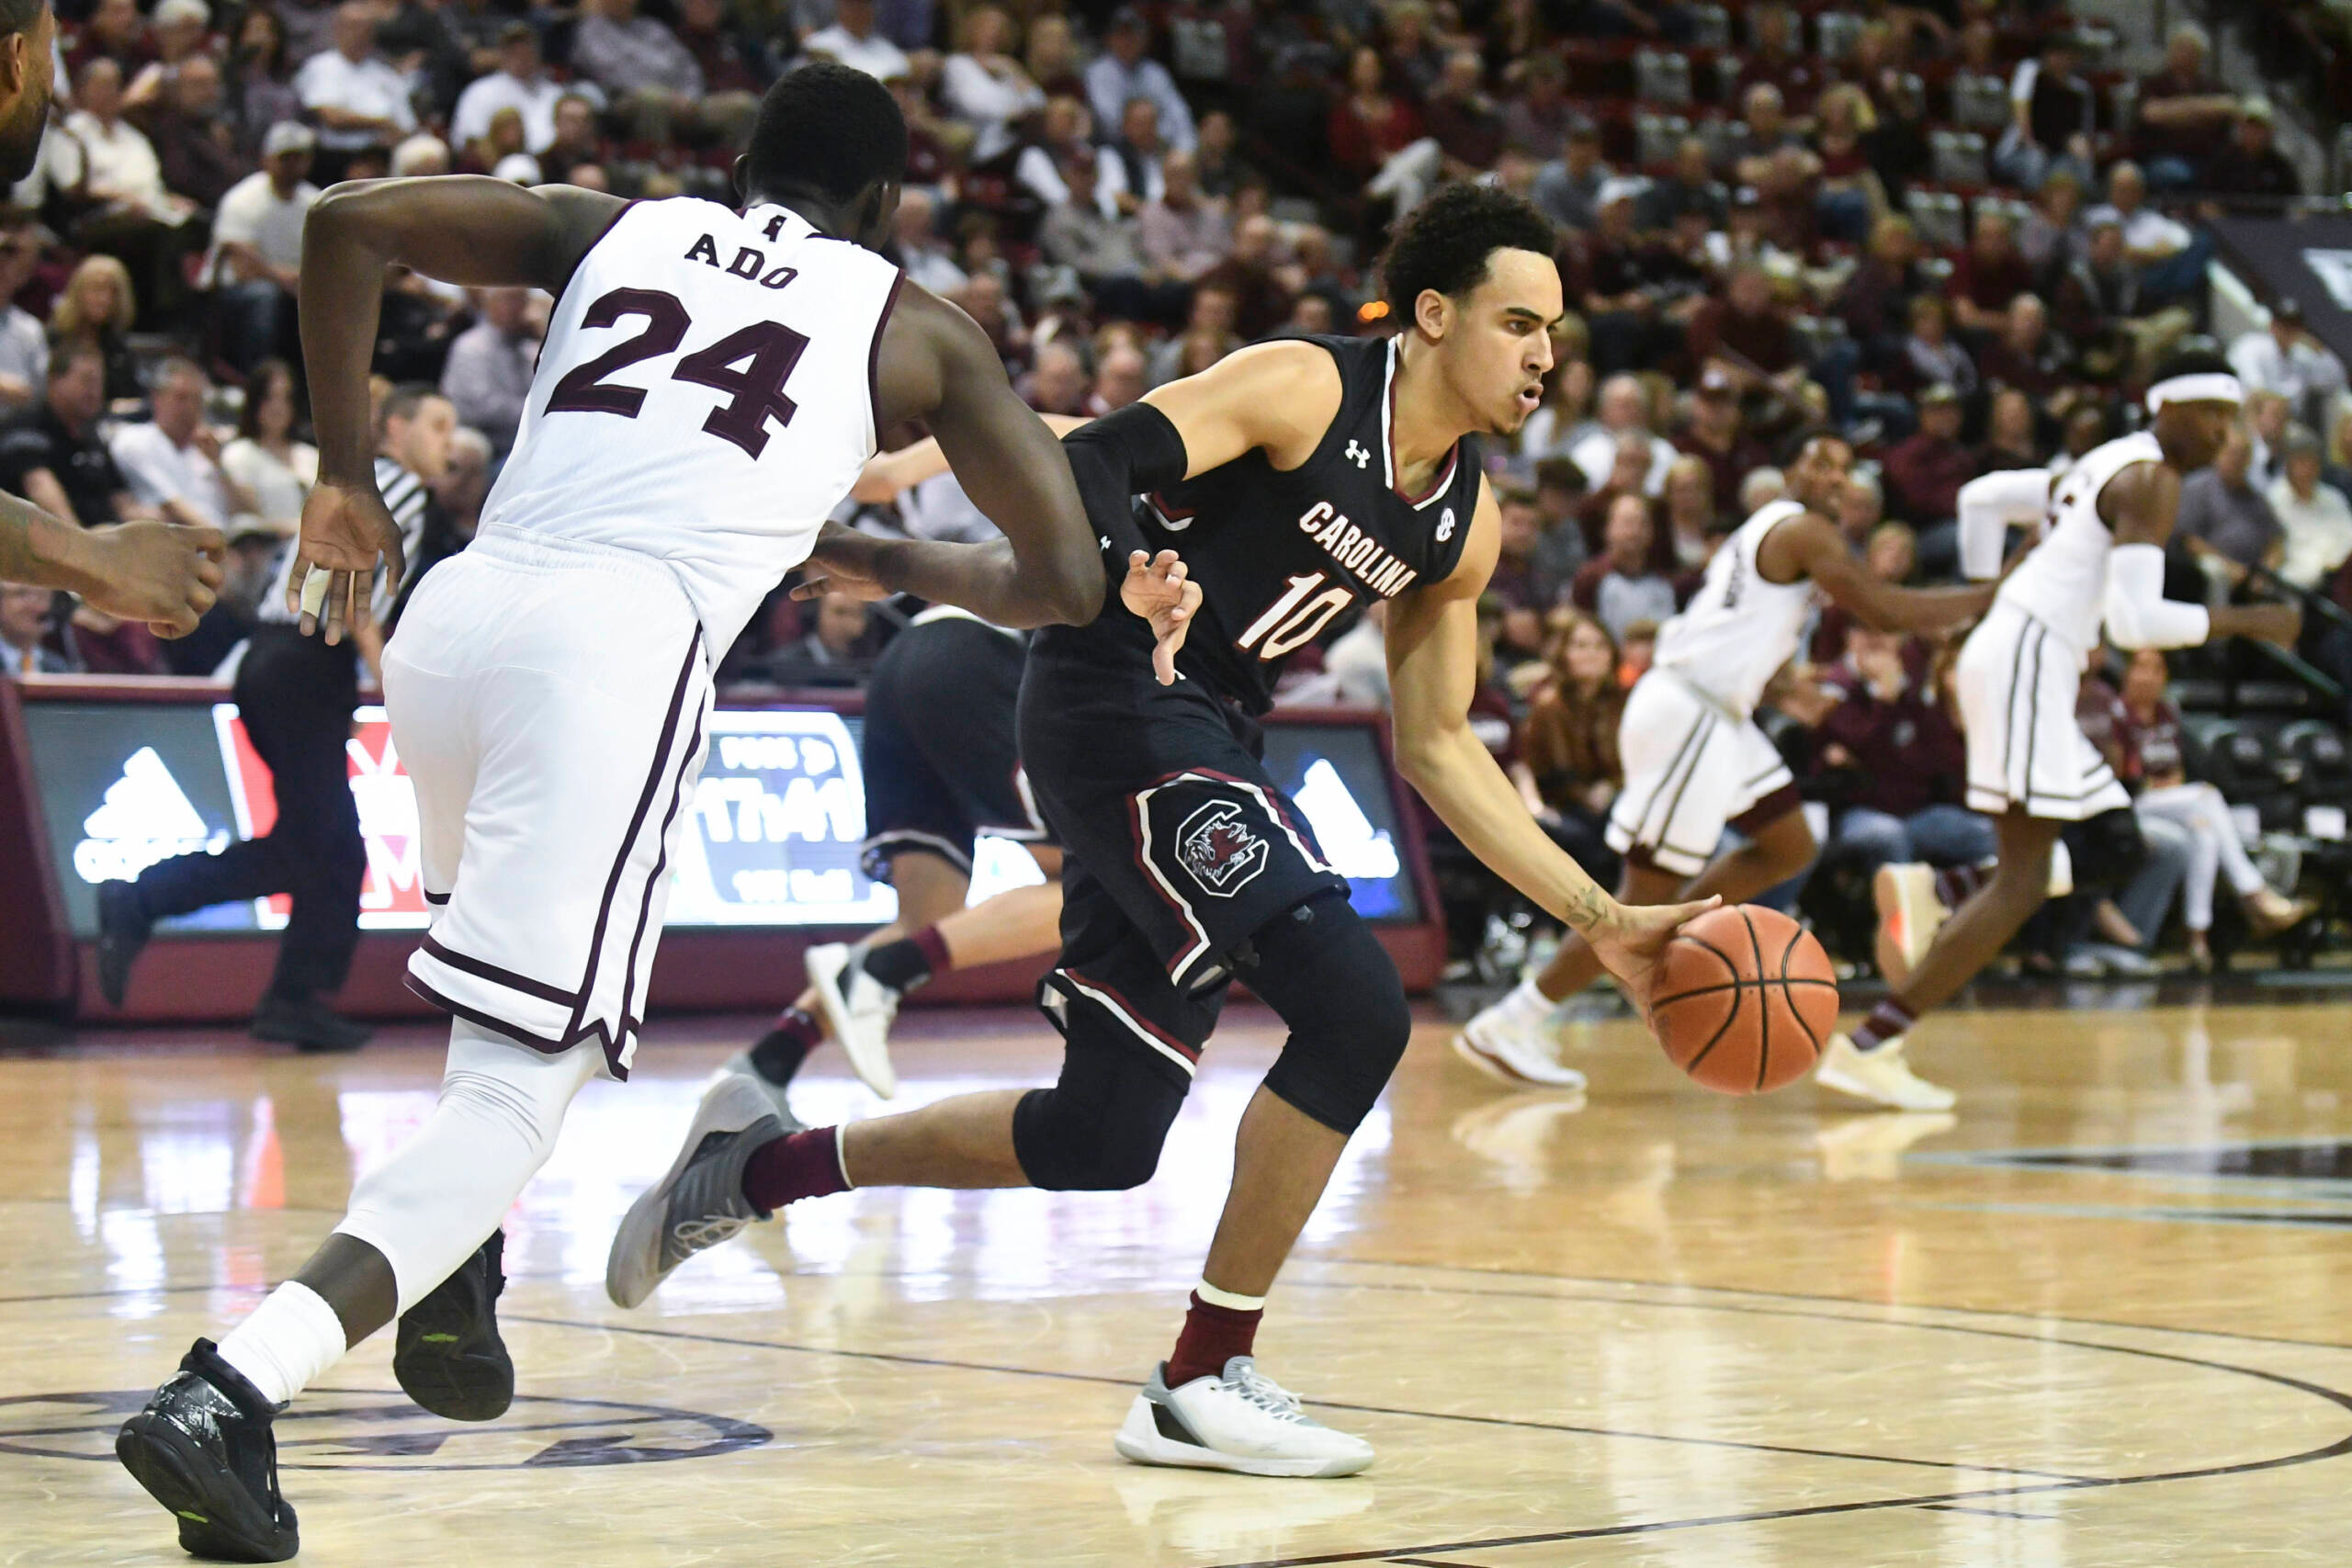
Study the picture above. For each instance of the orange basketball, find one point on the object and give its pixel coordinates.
(1745, 999)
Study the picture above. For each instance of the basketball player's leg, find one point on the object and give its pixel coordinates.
(560, 729)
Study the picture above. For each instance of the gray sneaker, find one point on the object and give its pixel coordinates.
(741, 1065)
(700, 1202)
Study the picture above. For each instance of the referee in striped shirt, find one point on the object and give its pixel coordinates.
(296, 694)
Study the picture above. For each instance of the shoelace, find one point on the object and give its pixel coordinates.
(1268, 1395)
(696, 1234)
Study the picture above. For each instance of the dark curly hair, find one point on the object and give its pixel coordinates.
(1444, 244)
(827, 128)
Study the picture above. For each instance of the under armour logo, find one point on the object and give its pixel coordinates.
(1356, 454)
(1104, 542)
(1445, 526)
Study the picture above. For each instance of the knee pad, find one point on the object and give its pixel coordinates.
(1324, 971)
(2107, 850)
(1100, 1127)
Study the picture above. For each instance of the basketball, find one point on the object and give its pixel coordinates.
(1745, 999)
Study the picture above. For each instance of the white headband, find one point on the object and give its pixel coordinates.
(2208, 387)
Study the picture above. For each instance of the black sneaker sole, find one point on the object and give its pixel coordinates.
(452, 1364)
(218, 1517)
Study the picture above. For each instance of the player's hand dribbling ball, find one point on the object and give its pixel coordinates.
(1744, 1000)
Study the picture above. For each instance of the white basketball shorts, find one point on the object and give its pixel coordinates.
(549, 700)
(2017, 682)
(1693, 767)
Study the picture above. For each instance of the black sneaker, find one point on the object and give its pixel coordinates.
(204, 1450)
(123, 930)
(700, 1202)
(307, 1025)
(450, 1359)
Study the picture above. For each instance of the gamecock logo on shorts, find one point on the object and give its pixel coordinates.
(1218, 848)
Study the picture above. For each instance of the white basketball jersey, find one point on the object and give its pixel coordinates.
(706, 396)
(2063, 583)
(1738, 629)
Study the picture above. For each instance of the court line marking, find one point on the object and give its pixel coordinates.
(2330, 1450)
(897, 1358)
(2011, 1315)
(1993, 1513)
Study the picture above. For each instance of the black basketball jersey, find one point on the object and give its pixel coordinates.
(1281, 554)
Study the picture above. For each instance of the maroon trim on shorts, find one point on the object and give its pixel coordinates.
(1769, 810)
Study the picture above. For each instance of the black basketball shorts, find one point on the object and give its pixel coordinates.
(943, 765)
(1179, 846)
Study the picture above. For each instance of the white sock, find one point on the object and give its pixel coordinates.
(1528, 1004)
(1230, 1300)
(289, 1339)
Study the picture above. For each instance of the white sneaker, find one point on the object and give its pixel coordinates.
(860, 1009)
(1241, 1421)
(1909, 915)
(1511, 1041)
(1881, 1077)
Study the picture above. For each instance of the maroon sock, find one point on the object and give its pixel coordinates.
(797, 1166)
(1212, 1337)
(907, 962)
(781, 1050)
(1956, 884)
(1889, 1020)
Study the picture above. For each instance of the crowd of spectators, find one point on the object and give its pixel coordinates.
(1956, 231)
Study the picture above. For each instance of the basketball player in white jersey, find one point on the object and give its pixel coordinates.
(1695, 761)
(2102, 564)
(710, 386)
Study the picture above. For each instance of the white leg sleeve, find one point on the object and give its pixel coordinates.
(431, 1204)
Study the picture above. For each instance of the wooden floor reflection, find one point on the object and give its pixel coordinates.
(2097, 1318)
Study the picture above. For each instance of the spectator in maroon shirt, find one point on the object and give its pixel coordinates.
(1714, 438)
(2010, 438)
(2249, 163)
(2025, 354)
(1923, 473)
(1536, 121)
(1906, 758)
(1371, 124)
(1877, 296)
(1748, 333)
(1989, 273)
(702, 27)
(1459, 114)
(2184, 111)
(1249, 275)
(1775, 59)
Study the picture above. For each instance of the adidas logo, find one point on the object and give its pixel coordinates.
(145, 818)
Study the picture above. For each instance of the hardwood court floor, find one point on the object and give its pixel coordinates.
(2100, 1319)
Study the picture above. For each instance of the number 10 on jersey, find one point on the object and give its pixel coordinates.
(1297, 618)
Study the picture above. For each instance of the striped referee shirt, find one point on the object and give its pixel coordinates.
(405, 496)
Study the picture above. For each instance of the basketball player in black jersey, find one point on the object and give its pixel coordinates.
(1299, 479)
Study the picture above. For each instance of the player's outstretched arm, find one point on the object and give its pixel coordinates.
(461, 229)
(161, 573)
(889, 475)
(1277, 397)
(1432, 675)
(2141, 505)
(1812, 544)
(938, 367)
